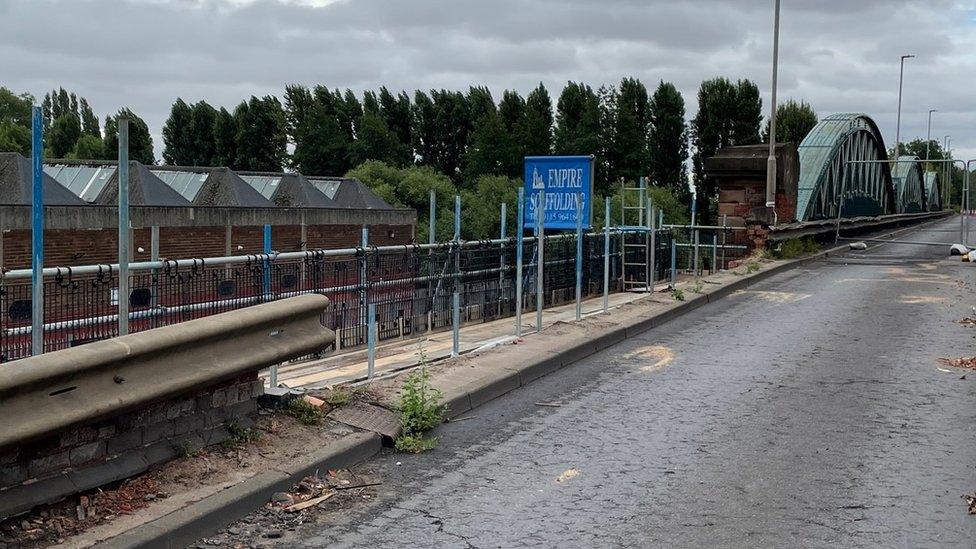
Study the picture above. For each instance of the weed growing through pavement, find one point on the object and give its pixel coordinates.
(678, 294)
(338, 396)
(240, 436)
(420, 410)
(697, 288)
(752, 267)
(795, 247)
(304, 412)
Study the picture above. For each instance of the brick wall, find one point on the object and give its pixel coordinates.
(100, 246)
(85, 457)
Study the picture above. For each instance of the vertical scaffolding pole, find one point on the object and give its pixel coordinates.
(714, 251)
(154, 256)
(695, 260)
(456, 301)
(518, 261)
(364, 275)
(579, 255)
(652, 252)
(273, 378)
(606, 254)
(540, 294)
(674, 261)
(431, 238)
(371, 340)
(503, 230)
(267, 262)
(123, 297)
(37, 233)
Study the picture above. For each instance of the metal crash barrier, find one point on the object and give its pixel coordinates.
(44, 394)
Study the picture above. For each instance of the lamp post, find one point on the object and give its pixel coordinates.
(928, 136)
(945, 170)
(771, 161)
(901, 80)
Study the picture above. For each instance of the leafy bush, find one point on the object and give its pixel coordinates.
(678, 294)
(420, 404)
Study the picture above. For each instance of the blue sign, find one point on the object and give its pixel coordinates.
(562, 178)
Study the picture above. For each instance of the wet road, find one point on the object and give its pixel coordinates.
(807, 411)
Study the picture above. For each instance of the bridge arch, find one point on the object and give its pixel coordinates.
(909, 185)
(826, 175)
(933, 191)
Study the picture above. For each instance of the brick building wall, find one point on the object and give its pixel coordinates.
(69, 247)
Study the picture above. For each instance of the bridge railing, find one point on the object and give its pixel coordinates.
(411, 287)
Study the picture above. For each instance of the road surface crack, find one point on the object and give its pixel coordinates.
(439, 523)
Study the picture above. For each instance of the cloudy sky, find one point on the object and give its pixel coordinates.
(839, 55)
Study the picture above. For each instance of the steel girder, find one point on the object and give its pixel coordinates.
(829, 181)
(909, 186)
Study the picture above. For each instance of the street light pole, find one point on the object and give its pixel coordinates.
(928, 136)
(901, 79)
(771, 161)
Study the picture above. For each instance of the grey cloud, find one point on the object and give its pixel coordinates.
(839, 55)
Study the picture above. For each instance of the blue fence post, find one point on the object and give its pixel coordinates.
(579, 256)
(123, 296)
(37, 233)
(606, 254)
(540, 224)
(266, 290)
(456, 301)
(674, 261)
(371, 340)
(364, 277)
(518, 261)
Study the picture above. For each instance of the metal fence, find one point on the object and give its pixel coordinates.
(410, 286)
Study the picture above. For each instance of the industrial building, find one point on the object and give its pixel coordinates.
(199, 212)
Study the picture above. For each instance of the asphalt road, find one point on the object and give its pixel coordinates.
(808, 411)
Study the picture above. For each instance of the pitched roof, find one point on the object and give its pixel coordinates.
(16, 184)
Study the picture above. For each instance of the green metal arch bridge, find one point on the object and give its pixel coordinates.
(827, 175)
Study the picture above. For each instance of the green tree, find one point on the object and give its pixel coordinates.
(410, 188)
(15, 138)
(628, 150)
(225, 139)
(140, 142)
(375, 141)
(668, 141)
(578, 125)
(511, 110)
(481, 206)
(794, 120)
(748, 114)
(177, 141)
(15, 122)
(452, 123)
(88, 147)
(728, 114)
(395, 111)
(480, 102)
(423, 129)
(490, 148)
(203, 119)
(64, 135)
(534, 133)
(261, 138)
(89, 122)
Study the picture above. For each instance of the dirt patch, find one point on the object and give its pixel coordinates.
(966, 321)
(313, 501)
(275, 438)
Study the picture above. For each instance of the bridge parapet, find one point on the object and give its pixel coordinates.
(86, 416)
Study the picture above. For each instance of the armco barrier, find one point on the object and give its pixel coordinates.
(52, 392)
